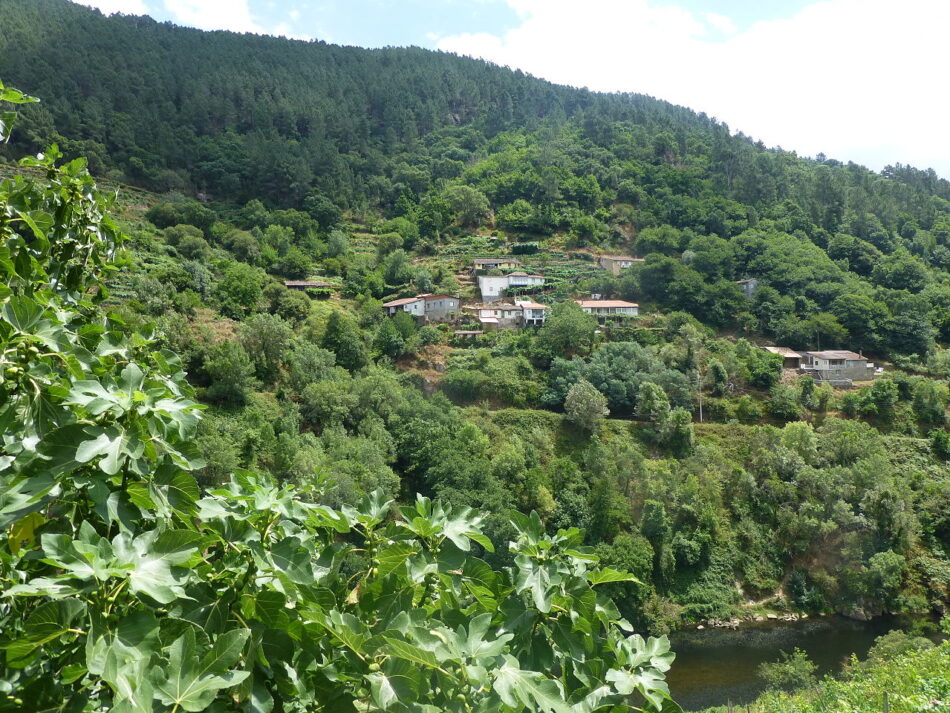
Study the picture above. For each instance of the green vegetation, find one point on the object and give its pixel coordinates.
(908, 681)
(667, 444)
(787, 495)
(425, 147)
(792, 672)
(126, 587)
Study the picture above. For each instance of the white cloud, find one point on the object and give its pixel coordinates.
(234, 15)
(721, 23)
(110, 7)
(856, 79)
(285, 29)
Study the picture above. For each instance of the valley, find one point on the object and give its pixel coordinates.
(369, 344)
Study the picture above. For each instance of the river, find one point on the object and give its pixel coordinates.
(716, 667)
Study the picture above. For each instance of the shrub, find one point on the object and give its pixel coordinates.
(231, 373)
(525, 248)
(585, 406)
(792, 672)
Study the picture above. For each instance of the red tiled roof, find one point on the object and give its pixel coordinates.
(532, 305)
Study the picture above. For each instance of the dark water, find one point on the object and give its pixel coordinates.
(715, 667)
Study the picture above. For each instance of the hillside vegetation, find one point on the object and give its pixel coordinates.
(666, 445)
(909, 682)
(451, 144)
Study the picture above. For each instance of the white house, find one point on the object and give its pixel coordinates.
(837, 365)
(493, 287)
(533, 314)
(433, 308)
(415, 306)
(606, 308)
(522, 313)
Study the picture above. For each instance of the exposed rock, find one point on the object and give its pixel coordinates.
(857, 613)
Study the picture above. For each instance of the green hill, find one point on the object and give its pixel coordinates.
(849, 258)
(730, 488)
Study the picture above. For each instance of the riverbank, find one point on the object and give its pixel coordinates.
(716, 667)
(908, 683)
(737, 622)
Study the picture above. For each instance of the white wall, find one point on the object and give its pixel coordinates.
(492, 287)
(417, 308)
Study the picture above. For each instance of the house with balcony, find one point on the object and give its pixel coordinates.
(609, 308)
(533, 313)
(837, 365)
(508, 315)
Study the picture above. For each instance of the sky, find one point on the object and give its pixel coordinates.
(858, 80)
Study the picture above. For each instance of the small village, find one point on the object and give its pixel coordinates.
(500, 306)
(504, 304)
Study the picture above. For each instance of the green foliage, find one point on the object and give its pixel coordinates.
(266, 339)
(678, 433)
(388, 340)
(585, 406)
(127, 588)
(940, 443)
(842, 256)
(525, 248)
(343, 338)
(910, 682)
(240, 290)
(231, 373)
(653, 404)
(568, 330)
(791, 672)
(783, 403)
(930, 402)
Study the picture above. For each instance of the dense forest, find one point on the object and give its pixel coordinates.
(204, 395)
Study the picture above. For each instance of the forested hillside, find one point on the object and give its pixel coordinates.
(855, 257)
(729, 487)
